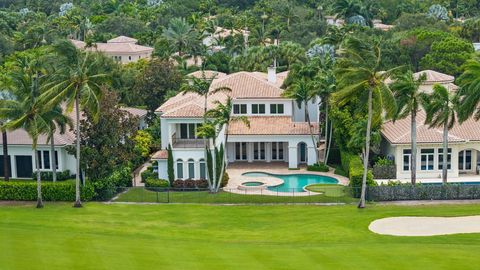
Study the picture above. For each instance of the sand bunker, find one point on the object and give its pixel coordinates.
(425, 226)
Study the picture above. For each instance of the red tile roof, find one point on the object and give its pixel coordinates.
(271, 125)
(162, 154)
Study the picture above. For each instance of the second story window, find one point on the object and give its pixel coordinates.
(188, 131)
(239, 108)
(276, 109)
(258, 108)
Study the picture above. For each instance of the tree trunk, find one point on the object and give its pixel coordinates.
(224, 163)
(78, 202)
(413, 156)
(210, 178)
(307, 117)
(327, 133)
(39, 181)
(52, 158)
(445, 152)
(329, 143)
(367, 151)
(6, 163)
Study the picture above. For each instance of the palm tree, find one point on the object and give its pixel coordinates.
(408, 96)
(302, 91)
(5, 95)
(469, 92)
(327, 85)
(78, 82)
(441, 107)
(292, 53)
(56, 119)
(359, 74)
(221, 116)
(180, 33)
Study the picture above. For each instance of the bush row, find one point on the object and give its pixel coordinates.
(353, 165)
(423, 192)
(27, 191)
(190, 184)
(48, 176)
(148, 174)
(106, 188)
(318, 167)
(156, 183)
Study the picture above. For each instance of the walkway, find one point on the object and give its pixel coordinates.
(137, 178)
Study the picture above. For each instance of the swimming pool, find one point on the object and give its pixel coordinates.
(294, 182)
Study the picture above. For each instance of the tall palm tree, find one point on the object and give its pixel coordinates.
(409, 99)
(78, 83)
(5, 95)
(441, 107)
(181, 33)
(469, 92)
(302, 91)
(56, 120)
(359, 74)
(222, 118)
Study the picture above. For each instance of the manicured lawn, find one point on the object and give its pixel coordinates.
(210, 237)
(333, 194)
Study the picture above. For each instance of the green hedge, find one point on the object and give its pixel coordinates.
(106, 188)
(156, 183)
(318, 167)
(353, 164)
(48, 176)
(148, 174)
(27, 191)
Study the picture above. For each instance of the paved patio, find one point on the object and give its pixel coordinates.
(237, 169)
(462, 178)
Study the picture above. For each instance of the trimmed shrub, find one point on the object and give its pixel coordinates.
(202, 183)
(148, 174)
(27, 191)
(156, 183)
(225, 179)
(397, 192)
(189, 183)
(318, 167)
(48, 176)
(384, 171)
(106, 189)
(179, 183)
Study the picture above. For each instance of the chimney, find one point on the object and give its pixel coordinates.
(272, 74)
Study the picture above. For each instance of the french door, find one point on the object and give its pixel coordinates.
(240, 151)
(277, 151)
(258, 151)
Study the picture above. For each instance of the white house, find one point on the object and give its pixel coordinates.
(122, 49)
(21, 154)
(463, 139)
(278, 131)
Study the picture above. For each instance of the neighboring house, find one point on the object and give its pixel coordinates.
(476, 46)
(377, 24)
(122, 49)
(278, 131)
(214, 40)
(21, 154)
(463, 139)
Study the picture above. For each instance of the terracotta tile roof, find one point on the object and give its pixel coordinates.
(113, 47)
(135, 111)
(399, 132)
(162, 154)
(434, 77)
(244, 85)
(122, 39)
(271, 125)
(381, 26)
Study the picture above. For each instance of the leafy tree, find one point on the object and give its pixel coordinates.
(469, 92)
(56, 120)
(143, 143)
(158, 80)
(170, 171)
(121, 25)
(441, 107)
(438, 12)
(448, 55)
(182, 35)
(471, 30)
(409, 100)
(359, 74)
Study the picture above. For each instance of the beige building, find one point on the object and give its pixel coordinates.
(464, 141)
(122, 49)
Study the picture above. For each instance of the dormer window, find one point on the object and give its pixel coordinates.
(258, 108)
(276, 109)
(239, 108)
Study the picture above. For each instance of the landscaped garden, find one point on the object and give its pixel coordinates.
(117, 236)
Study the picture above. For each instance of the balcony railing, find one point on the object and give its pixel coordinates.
(187, 143)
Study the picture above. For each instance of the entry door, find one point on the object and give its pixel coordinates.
(303, 152)
(2, 173)
(24, 166)
(277, 151)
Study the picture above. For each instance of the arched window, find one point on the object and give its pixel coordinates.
(179, 169)
(191, 169)
(203, 169)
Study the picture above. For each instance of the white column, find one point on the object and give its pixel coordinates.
(312, 155)
(292, 156)
(13, 166)
(250, 152)
(268, 151)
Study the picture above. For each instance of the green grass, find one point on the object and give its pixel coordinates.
(328, 190)
(336, 194)
(212, 237)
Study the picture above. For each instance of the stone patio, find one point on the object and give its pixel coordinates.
(237, 169)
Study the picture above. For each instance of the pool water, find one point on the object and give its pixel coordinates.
(252, 184)
(295, 182)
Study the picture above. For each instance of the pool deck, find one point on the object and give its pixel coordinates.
(236, 170)
(463, 178)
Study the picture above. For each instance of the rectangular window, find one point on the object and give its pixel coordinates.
(276, 109)
(183, 131)
(427, 159)
(258, 108)
(239, 108)
(440, 159)
(46, 159)
(39, 157)
(259, 151)
(179, 170)
(407, 156)
(465, 160)
(241, 151)
(56, 159)
(191, 131)
(203, 172)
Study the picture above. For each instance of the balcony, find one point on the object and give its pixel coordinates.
(187, 143)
